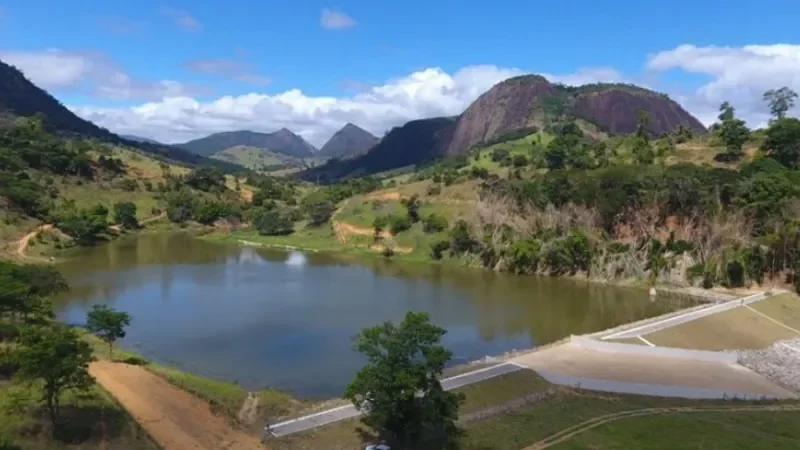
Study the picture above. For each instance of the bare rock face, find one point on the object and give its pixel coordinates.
(509, 105)
(532, 101)
(615, 110)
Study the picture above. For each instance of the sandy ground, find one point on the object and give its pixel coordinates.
(343, 230)
(570, 359)
(173, 417)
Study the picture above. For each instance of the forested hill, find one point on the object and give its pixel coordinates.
(19, 97)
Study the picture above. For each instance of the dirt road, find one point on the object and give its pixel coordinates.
(174, 418)
(22, 244)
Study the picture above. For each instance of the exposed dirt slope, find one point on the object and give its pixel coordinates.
(175, 419)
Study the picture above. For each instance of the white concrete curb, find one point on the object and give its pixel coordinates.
(683, 318)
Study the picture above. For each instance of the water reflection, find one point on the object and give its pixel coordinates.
(249, 315)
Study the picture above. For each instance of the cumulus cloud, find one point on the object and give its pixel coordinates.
(426, 93)
(90, 72)
(182, 19)
(335, 20)
(739, 75)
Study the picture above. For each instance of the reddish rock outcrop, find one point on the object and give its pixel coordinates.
(531, 100)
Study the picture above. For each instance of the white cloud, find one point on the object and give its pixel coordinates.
(89, 72)
(426, 93)
(335, 20)
(182, 18)
(739, 75)
(51, 68)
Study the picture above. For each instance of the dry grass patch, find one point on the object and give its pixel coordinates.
(737, 328)
(784, 308)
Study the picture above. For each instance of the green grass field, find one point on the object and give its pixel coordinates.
(534, 423)
(784, 308)
(707, 431)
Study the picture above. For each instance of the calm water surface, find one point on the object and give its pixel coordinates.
(286, 319)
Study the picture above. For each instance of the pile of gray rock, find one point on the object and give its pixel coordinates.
(779, 362)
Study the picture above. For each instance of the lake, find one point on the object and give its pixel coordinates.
(286, 319)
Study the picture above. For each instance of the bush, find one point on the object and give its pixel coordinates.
(520, 161)
(128, 184)
(318, 208)
(434, 189)
(525, 255)
(272, 223)
(125, 215)
(438, 249)
(479, 172)
(434, 223)
(398, 224)
(135, 361)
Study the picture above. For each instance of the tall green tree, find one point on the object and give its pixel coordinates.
(782, 141)
(318, 208)
(412, 206)
(58, 358)
(732, 130)
(24, 289)
(643, 121)
(125, 215)
(399, 388)
(780, 101)
(107, 324)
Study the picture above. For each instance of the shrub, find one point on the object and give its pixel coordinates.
(438, 249)
(272, 223)
(434, 223)
(398, 224)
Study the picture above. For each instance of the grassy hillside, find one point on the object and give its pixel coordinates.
(69, 191)
(257, 159)
(564, 201)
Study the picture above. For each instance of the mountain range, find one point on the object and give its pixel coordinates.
(351, 140)
(519, 103)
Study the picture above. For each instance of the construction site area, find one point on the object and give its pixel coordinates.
(727, 360)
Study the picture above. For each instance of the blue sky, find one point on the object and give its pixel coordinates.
(107, 59)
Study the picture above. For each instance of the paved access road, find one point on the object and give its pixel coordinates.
(349, 411)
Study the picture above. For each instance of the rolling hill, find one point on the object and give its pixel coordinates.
(351, 140)
(282, 141)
